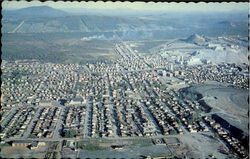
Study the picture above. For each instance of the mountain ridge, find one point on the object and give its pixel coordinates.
(195, 38)
(34, 12)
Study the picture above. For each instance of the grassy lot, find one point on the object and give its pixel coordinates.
(90, 146)
(50, 154)
(3, 146)
(141, 142)
(103, 144)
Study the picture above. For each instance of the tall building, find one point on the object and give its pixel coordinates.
(164, 73)
(181, 59)
(171, 67)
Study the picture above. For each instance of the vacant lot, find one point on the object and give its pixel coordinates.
(201, 145)
(21, 152)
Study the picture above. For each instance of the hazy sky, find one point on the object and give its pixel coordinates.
(136, 5)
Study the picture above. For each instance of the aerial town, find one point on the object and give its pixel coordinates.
(124, 80)
(136, 96)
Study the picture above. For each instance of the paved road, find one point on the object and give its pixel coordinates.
(56, 133)
(88, 118)
(152, 118)
(114, 122)
(76, 86)
(59, 150)
(18, 27)
(86, 69)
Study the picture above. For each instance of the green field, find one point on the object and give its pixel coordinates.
(56, 47)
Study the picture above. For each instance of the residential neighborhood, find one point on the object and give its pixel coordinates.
(133, 97)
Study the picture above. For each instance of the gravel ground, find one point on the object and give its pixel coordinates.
(229, 103)
(200, 145)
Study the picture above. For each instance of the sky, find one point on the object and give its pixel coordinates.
(152, 6)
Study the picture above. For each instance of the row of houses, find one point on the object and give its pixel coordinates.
(74, 120)
(45, 124)
(221, 73)
(234, 143)
(33, 145)
(17, 123)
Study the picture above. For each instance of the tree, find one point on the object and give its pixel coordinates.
(70, 134)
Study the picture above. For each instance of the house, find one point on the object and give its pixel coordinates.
(44, 103)
(117, 147)
(77, 101)
(20, 143)
(41, 144)
(2, 134)
(34, 145)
